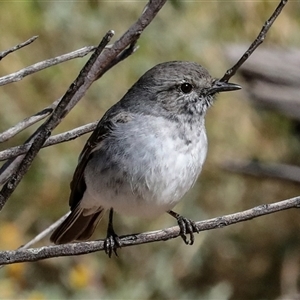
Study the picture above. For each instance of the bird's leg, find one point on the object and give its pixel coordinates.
(112, 241)
(186, 227)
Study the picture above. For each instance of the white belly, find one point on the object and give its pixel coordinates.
(145, 178)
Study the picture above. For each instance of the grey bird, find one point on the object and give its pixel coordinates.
(145, 153)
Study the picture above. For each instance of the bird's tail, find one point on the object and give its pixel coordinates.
(77, 226)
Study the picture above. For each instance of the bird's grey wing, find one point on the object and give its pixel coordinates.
(102, 131)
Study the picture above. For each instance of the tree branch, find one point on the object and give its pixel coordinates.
(96, 66)
(34, 254)
(17, 47)
(68, 101)
(53, 140)
(259, 39)
(19, 75)
(14, 130)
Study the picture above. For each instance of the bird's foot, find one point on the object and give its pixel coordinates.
(111, 243)
(186, 226)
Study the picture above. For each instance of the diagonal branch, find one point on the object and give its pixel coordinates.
(34, 254)
(78, 87)
(19, 75)
(96, 66)
(12, 131)
(17, 47)
(259, 39)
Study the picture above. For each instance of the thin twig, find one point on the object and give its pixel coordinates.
(11, 132)
(34, 254)
(123, 55)
(19, 75)
(53, 140)
(44, 233)
(17, 47)
(16, 154)
(259, 39)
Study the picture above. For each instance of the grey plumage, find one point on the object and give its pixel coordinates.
(146, 152)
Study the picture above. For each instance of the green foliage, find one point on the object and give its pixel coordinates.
(246, 261)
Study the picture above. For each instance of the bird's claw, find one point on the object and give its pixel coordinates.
(112, 243)
(187, 226)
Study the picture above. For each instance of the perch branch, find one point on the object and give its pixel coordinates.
(34, 254)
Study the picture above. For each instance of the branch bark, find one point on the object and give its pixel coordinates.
(53, 140)
(17, 47)
(35, 254)
(19, 75)
(259, 40)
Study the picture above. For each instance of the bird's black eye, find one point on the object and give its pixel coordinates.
(186, 88)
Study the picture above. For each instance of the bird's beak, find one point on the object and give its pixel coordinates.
(220, 86)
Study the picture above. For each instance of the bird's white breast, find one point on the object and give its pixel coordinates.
(145, 168)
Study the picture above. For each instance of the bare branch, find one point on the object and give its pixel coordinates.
(96, 66)
(11, 132)
(13, 163)
(43, 234)
(17, 47)
(19, 75)
(259, 39)
(59, 113)
(34, 254)
(53, 140)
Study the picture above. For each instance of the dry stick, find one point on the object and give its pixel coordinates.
(59, 138)
(53, 140)
(12, 131)
(259, 39)
(17, 47)
(4, 136)
(45, 129)
(16, 154)
(19, 75)
(44, 233)
(34, 254)
(94, 68)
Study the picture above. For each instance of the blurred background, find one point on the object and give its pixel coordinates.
(258, 259)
